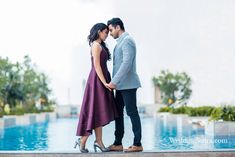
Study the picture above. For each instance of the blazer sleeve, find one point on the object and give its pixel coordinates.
(128, 49)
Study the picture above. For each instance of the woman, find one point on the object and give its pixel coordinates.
(98, 106)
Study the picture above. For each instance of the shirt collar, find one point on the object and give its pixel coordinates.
(123, 35)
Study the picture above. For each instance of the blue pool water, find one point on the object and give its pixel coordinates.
(157, 135)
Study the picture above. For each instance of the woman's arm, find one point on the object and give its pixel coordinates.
(96, 51)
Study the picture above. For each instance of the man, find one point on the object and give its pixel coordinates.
(126, 82)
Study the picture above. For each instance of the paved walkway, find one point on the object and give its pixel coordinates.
(227, 153)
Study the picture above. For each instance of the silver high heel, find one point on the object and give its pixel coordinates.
(103, 149)
(81, 148)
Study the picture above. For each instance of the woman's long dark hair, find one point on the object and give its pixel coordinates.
(94, 35)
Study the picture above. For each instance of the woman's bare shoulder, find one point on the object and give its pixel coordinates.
(96, 48)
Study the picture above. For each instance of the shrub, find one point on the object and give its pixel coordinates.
(225, 113)
(32, 110)
(201, 111)
(1, 113)
(15, 111)
(228, 113)
(179, 110)
(165, 109)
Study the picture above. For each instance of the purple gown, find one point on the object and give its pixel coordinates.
(98, 105)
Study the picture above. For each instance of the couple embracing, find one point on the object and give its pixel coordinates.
(99, 105)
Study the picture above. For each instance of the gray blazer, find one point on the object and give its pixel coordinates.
(124, 63)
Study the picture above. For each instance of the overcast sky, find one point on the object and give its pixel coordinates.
(195, 36)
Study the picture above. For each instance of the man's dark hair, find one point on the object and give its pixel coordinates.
(116, 21)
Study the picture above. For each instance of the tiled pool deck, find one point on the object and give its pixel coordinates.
(227, 153)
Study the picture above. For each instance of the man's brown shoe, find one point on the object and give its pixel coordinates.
(116, 147)
(134, 149)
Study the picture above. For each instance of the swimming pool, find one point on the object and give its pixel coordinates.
(157, 135)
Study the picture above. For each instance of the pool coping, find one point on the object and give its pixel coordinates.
(159, 151)
(220, 153)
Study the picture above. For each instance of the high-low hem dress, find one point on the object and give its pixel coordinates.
(98, 105)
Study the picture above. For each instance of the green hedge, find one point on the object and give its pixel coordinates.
(165, 109)
(201, 111)
(1, 113)
(225, 113)
(22, 111)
